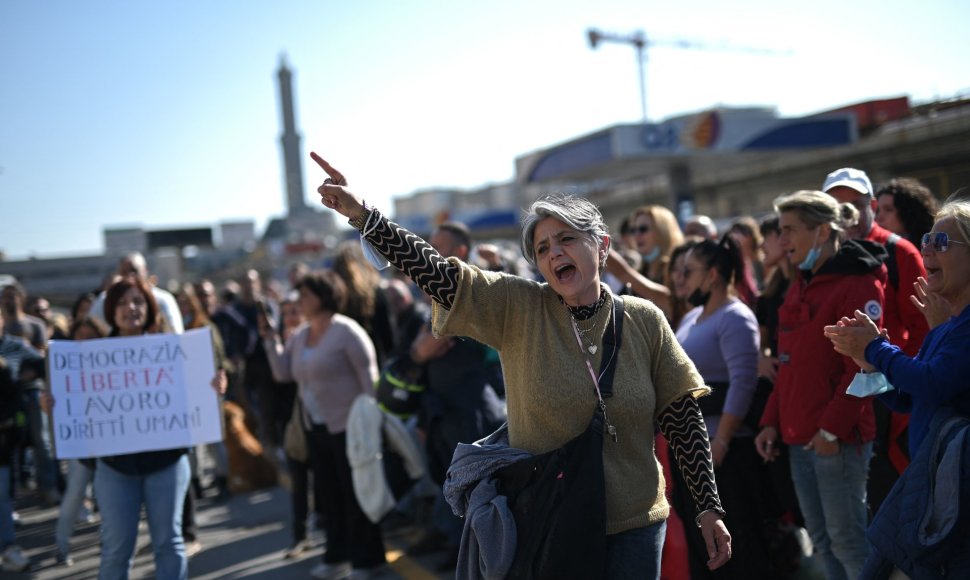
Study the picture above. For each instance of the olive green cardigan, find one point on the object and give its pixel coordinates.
(549, 390)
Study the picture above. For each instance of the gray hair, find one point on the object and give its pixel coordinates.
(959, 210)
(816, 208)
(576, 212)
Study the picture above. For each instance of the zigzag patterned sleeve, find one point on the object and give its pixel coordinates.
(683, 426)
(436, 276)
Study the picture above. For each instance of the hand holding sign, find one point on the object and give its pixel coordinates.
(220, 382)
(132, 394)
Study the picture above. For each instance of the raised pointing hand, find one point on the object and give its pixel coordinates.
(334, 193)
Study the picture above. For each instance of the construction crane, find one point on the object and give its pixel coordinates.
(638, 40)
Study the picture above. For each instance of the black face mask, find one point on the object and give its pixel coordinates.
(698, 298)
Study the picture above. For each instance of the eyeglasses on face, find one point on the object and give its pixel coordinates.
(939, 241)
(639, 229)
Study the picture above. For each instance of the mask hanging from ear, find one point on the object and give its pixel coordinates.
(812, 256)
(372, 255)
(653, 255)
(698, 298)
(868, 384)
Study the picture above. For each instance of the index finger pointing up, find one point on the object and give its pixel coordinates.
(337, 177)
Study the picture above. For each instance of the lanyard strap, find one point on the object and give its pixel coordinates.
(589, 365)
(608, 366)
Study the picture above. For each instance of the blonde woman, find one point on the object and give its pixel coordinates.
(656, 233)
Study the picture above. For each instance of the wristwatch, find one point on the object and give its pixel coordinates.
(830, 437)
(360, 221)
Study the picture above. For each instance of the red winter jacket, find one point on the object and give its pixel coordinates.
(809, 392)
(906, 325)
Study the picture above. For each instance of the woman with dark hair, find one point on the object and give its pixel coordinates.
(332, 360)
(720, 335)
(81, 306)
(550, 336)
(678, 298)
(294, 441)
(779, 273)
(906, 207)
(158, 480)
(781, 503)
(751, 280)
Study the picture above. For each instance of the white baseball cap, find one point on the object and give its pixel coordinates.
(849, 177)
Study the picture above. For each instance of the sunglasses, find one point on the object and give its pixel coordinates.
(639, 229)
(940, 241)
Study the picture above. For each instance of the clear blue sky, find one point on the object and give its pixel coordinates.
(165, 113)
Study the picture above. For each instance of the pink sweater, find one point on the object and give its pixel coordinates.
(330, 374)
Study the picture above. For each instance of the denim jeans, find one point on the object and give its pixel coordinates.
(38, 433)
(635, 553)
(79, 476)
(832, 495)
(7, 535)
(120, 498)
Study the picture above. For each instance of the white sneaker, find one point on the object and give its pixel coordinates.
(14, 559)
(84, 516)
(324, 571)
(192, 548)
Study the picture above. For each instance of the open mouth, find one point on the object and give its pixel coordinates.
(564, 272)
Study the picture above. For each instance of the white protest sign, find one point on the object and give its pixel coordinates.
(125, 395)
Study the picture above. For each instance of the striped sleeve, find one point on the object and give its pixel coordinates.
(682, 424)
(409, 253)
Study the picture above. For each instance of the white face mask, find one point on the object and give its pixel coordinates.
(868, 384)
(373, 256)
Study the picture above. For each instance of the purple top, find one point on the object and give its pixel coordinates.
(724, 348)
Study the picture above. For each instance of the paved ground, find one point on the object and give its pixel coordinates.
(244, 537)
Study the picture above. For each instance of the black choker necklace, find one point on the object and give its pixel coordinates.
(588, 311)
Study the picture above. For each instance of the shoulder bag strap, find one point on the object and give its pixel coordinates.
(612, 341)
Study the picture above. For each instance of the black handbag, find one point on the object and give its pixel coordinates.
(558, 499)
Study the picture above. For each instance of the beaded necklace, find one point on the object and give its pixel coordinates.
(583, 313)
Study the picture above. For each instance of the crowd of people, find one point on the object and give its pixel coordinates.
(745, 356)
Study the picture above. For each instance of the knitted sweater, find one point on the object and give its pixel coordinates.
(550, 393)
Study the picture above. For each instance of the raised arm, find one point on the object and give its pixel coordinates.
(643, 287)
(436, 276)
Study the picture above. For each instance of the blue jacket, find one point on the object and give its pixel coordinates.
(937, 376)
(488, 539)
(922, 526)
